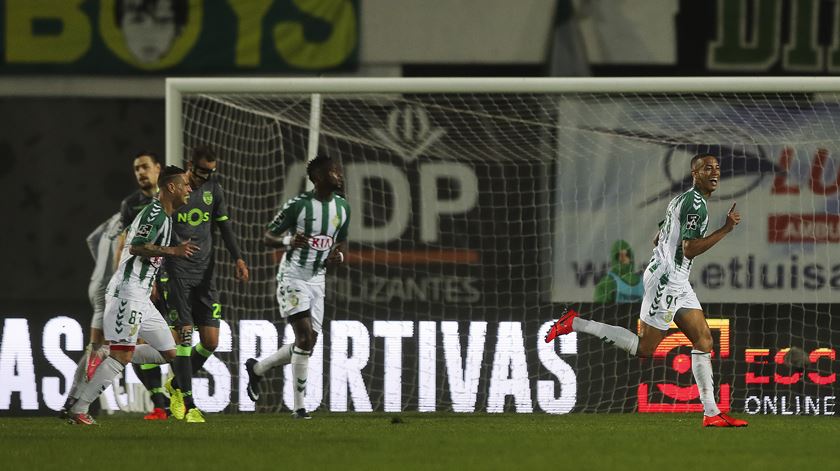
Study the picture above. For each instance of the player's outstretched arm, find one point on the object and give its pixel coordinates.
(184, 250)
(695, 247)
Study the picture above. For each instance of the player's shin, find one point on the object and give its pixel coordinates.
(610, 334)
(199, 356)
(701, 366)
(104, 376)
(78, 379)
(150, 376)
(283, 356)
(300, 368)
(182, 366)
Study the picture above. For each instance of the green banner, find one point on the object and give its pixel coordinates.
(179, 37)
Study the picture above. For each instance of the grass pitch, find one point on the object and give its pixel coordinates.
(421, 441)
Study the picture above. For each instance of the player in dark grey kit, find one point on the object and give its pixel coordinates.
(192, 299)
(146, 167)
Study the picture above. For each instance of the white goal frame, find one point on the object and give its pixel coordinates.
(176, 87)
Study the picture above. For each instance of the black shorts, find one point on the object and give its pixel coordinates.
(192, 302)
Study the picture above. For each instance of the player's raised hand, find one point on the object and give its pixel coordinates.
(733, 217)
(186, 249)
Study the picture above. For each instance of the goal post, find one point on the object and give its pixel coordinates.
(481, 206)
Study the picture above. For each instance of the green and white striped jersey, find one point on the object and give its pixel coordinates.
(685, 219)
(134, 276)
(323, 223)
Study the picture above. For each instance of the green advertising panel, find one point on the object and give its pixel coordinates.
(179, 37)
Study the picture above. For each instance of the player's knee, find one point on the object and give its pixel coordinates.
(644, 351)
(210, 344)
(307, 341)
(122, 356)
(704, 343)
(169, 355)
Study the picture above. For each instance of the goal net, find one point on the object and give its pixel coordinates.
(481, 207)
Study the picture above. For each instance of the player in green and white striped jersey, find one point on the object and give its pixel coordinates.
(129, 312)
(668, 294)
(318, 221)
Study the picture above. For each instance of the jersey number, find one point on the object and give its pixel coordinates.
(135, 316)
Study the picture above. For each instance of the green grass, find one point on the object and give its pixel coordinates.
(422, 441)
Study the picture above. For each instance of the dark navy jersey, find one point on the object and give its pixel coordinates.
(131, 206)
(194, 221)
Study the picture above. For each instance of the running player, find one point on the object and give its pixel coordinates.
(318, 220)
(668, 294)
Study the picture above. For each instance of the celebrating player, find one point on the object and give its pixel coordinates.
(668, 294)
(319, 220)
(129, 313)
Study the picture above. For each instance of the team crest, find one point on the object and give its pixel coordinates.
(207, 197)
(691, 221)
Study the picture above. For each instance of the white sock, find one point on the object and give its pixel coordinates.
(283, 356)
(701, 366)
(105, 374)
(146, 354)
(610, 334)
(80, 374)
(300, 366)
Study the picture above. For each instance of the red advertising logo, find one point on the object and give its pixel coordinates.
(784, 228)
(683, 398)
(758, 356)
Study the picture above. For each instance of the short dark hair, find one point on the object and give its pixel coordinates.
(168, 174)
(702, 156)
(318, 163)
(180, 11)
(202, 152)
(145, 153)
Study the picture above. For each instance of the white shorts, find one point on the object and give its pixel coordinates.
(296, 296)
(126, 319)
(663, 299)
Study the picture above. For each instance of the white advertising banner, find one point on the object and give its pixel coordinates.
(622, 160)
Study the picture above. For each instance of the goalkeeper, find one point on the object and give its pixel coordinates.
(668, 294)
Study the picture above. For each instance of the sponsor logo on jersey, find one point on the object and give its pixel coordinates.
(692, 221)
(321, 242)
(144, 230)
(207, 197)
(194, 217)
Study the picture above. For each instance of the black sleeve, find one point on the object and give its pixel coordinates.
(230, 239)
(125, 214)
